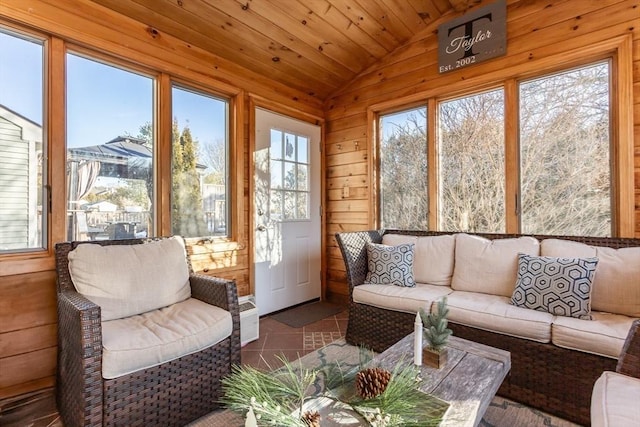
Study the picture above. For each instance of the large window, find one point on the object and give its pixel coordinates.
(471, 179)
(565, 153)
(199, 167)
(23, 215)
(110, 151)
(404, 196)
(552, 174)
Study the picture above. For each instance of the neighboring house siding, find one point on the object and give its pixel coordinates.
(14, 187)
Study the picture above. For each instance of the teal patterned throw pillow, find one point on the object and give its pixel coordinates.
(560, 286)
(390, 265)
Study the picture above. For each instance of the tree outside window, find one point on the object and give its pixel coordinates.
(404, 195)
(199, 165)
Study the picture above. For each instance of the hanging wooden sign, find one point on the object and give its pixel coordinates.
(474, 37)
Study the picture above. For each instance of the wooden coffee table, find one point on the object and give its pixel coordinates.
(468, 380)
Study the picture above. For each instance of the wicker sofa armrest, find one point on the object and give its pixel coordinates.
(629, 361)
(222, 293)
(79, 357)
(353, 246)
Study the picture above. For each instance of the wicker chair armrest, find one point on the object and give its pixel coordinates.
(80, 341)
(222, 293)
(629, 361)
(353, 246)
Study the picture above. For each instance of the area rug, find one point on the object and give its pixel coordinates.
(501, 412)
(306, 314)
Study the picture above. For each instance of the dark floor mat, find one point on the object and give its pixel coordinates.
(305, 314)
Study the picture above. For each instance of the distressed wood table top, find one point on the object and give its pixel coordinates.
(468, 380)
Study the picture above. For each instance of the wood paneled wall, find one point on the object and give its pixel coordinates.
(540, 35)
(27, 283)
(538, 31)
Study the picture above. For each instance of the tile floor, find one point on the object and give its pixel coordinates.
(276, 339)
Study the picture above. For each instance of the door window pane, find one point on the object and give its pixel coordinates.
(565, 153)
(110, 151)
(404, 195)
(22, 177)
(290, 174)
(199, 199)
(471, 147)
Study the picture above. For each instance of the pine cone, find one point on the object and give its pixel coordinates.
(311, 418)
(372, 382)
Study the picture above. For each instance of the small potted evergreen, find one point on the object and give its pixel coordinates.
(435, 334)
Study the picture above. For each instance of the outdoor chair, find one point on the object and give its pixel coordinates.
(142, 340)
(615, 397)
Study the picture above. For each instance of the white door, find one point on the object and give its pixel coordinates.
(286, 220)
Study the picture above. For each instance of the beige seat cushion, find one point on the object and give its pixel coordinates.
(614, 401)
(397, 298)
(496, 314)
(489, 266)
(604, 335)
(433, 256)
(158, 336)
(125, 280)
(616, 285)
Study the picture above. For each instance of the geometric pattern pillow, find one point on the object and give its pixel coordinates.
(390, 265)
(560, 286)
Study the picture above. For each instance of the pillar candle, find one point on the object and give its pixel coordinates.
(417, 340)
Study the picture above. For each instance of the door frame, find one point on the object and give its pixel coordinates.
(259, 102)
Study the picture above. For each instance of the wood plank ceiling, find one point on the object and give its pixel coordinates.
(315, 46)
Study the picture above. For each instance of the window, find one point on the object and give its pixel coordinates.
(565, 153)
(558, 177)
(110, 151)
(23, 215)
(289, 166)
(199, 171)
(404, 195)
(471, 147)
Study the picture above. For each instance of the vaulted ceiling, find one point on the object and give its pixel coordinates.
(315, 46)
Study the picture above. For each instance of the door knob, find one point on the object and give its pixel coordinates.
(262, 228)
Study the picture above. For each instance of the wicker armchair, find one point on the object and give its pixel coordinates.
(170, 394)
(614, 401)
(629, 361)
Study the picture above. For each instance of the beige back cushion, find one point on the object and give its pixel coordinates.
(489, 266)
(433, 256)
(616, 286)
(125, 280)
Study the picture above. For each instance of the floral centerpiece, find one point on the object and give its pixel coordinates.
(373, 395)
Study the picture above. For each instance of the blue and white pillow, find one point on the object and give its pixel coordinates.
(560, 286)
(390, 265)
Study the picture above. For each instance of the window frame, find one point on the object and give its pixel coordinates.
(127, 66)
(613, 161)
(427, 152)
(235, 160)
(16, 259)
(617, 50)
(203, 90)
(54, 123)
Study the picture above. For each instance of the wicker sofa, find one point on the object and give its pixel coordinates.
(123, 362)
(557, 377)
